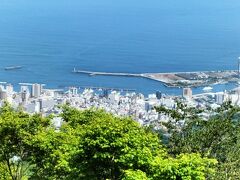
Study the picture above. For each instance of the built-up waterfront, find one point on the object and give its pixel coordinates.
(35, 98)
(179, 79)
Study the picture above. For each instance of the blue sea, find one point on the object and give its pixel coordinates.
(51, 37)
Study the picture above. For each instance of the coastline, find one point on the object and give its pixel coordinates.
(178, 79)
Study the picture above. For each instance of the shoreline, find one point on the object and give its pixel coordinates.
(178, 79)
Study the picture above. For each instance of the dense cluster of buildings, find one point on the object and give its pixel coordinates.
(34, 98)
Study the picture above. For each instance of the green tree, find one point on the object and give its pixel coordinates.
(52, 151)
(16, 129)
(134, 175)
(215, 137)
(184, 167)
(4, 174)
(111, 147)
(90, 144)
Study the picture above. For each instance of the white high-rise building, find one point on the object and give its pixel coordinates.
(2, 88)
(25, 96)
(37, 107)
(219, 97)
(73, 91)
(9, 89)
(3, 95)
(25, 93)
(187, 93)
(36, 90)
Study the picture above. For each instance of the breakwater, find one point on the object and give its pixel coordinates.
(178, 79)
(92, 73)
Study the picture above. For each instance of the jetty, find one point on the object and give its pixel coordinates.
(178, 79)
(91, 73)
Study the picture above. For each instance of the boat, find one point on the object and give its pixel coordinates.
(12, 68)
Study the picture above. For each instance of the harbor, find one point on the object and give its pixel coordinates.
(178, 79)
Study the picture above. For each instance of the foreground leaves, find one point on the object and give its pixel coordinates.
(216, 137)
(90, 144)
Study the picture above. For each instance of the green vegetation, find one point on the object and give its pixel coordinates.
(216, 137)
(93, 144)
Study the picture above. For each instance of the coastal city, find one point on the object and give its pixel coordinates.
(119, 90)
(35, 98)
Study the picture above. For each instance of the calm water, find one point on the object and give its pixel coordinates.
(51, 37)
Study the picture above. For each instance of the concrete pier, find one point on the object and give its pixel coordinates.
(92, 73)
(178, 79)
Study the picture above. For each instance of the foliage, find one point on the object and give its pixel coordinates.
(90, 144)
(52, 151)
(215, 137)
(4, 174)
(184, 166)
(16, 128)
(110, 145)
(134, 175)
